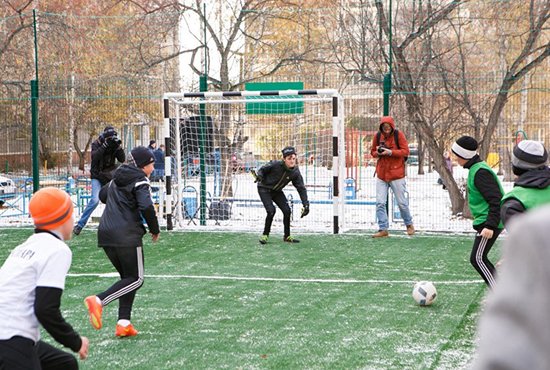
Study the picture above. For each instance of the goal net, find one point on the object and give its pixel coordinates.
(215, 139)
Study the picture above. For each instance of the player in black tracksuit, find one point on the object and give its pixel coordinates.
(271, 179)
(120, 232)
(484, 196)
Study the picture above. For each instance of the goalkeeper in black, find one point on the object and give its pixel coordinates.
(271, 179)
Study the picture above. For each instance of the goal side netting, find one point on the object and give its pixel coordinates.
(214, 140)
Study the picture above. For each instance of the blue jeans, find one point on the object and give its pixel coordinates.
(399, 188)
(92, 204)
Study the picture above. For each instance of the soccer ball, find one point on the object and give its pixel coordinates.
(424, 293)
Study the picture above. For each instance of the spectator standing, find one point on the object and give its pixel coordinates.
(120, 234)
(32, 280)
(106, 150)
(271, 179)
(532, 185)
(484, 196)
(390, 146)
(159, 155)
(152, 145)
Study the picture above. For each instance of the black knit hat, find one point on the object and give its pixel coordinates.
(529, 154)
(109, 131)
(289, 150)
(465, 147)
(142, 156)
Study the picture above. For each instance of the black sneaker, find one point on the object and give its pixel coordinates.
(290, 239)
(77, 229)
(263, 239)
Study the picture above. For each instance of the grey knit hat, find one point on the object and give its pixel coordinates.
(529, 154)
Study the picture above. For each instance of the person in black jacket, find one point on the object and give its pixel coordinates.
(532, 186)
(32, 280)
(128, 200)
(271, 179)
(106, 150)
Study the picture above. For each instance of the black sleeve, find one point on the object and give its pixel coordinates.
(510, 208)
(487, 185)
(98, 151)
(264, 170)
(150, 217)
(298, 182)
(46, 309)
(120, 155)
(146, 207)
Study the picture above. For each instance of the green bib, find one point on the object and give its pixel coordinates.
(478, 204)
(529, 197)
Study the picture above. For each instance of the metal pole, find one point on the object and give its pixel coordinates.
(203, 86)
(388, 77)
(34, 113)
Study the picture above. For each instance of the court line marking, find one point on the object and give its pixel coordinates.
(291, 280)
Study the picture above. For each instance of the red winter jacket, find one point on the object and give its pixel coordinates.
(389, 168)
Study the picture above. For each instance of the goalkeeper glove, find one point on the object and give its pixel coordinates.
(256, 177)
(305, 210)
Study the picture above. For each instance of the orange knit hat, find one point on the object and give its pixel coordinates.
(50, 208)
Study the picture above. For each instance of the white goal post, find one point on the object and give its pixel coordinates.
(214, 139)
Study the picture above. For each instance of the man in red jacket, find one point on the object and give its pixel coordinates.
(390, 147)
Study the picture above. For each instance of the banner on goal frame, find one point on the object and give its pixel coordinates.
(285, 107)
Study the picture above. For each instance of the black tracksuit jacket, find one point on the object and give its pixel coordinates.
(276, 175)
(127, 198)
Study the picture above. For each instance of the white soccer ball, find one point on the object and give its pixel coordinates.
(424, 293)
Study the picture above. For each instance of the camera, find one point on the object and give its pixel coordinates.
(116, 140)
(381, 147)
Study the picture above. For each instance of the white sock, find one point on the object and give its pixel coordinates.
(98, 300)
(123, 322)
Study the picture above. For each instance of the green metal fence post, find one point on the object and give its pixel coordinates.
(34, 125)
(202, 109)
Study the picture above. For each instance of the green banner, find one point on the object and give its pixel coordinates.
(274, 107)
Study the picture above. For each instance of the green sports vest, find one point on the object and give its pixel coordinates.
(478, 204)
(529, 197)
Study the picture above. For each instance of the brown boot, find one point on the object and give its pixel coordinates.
(410, 229)
(381, 234)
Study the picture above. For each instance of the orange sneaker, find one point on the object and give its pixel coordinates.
(125, 331)
(94, 309)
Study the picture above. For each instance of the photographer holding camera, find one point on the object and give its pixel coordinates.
(106, 150)
(391, 148)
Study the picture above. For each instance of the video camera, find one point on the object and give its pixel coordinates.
(115, 139)
(110, 137)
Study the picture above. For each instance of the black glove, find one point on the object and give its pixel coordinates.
(113, 143)
(305, 210)
(256, 177)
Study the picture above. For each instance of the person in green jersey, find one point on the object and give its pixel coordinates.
(484, 196)
(532, 185)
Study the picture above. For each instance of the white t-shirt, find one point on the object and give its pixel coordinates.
(43, 260)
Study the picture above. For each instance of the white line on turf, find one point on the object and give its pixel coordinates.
(292, 280)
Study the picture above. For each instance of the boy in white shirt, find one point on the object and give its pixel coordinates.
(32, 280)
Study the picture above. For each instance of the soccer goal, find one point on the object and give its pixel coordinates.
(214, 140)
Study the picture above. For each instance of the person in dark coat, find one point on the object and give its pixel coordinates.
(120, 234)
(106, 151)
(271, 179)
